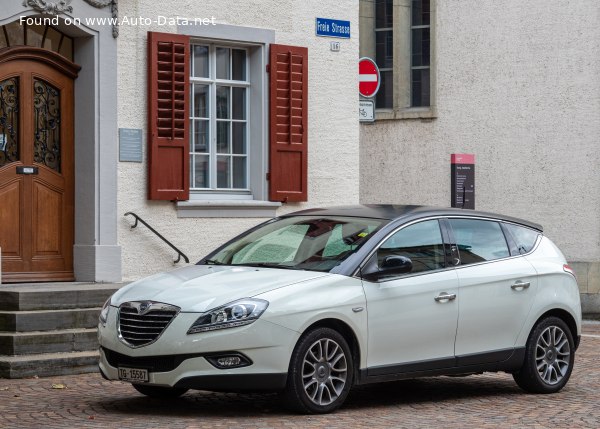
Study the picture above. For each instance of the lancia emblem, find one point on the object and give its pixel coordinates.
(144, 307)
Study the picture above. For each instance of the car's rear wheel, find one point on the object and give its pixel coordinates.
(549, 357)
(159, 391)
(321, 372)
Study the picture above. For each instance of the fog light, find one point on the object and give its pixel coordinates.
(229, 361)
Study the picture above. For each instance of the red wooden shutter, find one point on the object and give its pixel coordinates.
(168, 113)
(288, 123)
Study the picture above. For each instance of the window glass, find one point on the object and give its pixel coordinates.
(200, 62)
(384, 14)
(223, 63)
(238, 64)
(300, 242)
(384, 52)
(420, 12)
(525, 238)
(479, 240)
(219, 138)
(9, 120)
(421, 243)
(278, 246)
(420, 82)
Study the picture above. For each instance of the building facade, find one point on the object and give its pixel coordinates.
(516, 85)
(241, 111)
(206, 118)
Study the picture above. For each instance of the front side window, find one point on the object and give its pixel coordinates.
(219, 118)
(299, 242)
(421, 243)
(479, 240)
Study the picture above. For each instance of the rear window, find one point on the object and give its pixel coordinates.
(479, 240)
(524, 237)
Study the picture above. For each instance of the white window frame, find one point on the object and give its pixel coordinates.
(252, 203)
(212, 82)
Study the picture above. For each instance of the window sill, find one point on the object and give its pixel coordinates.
(227, 208)
(407, 113)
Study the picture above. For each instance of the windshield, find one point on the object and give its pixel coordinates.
(299, 242)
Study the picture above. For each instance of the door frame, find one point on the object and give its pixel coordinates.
(97, 254)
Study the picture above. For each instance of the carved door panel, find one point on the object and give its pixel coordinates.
(36, 172)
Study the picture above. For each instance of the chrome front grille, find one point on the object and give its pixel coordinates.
(142, 322)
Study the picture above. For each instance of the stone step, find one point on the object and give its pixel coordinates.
(49, 364)
(54, 296)
(68, 340)
(48, 320)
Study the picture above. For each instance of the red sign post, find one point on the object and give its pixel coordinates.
(368, 77)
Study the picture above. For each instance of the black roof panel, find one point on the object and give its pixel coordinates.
(393, 212)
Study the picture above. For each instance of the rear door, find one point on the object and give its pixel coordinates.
(496, 291)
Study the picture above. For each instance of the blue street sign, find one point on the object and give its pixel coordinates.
(326, 27)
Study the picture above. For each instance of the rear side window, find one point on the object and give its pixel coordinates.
(479, 240)
(524, 238)
(420, 242)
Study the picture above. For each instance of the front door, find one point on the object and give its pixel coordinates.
(412, 318)
(36, 172)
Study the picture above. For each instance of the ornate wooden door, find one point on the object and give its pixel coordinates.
(36, 169)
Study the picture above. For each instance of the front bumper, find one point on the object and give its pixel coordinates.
(176, 359)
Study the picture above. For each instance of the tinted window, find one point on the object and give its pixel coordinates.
(479, 240)
(525, 238)
(421, 242)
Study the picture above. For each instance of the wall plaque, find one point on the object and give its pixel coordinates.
(130, 145)
(462, 167)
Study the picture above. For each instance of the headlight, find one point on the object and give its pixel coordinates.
(238, 313)
(104, 312)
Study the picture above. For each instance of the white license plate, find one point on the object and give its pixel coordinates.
(133, 374)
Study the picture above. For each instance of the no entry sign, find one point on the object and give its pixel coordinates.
(368, 77)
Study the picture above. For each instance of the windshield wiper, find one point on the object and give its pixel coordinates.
(212, 262)
(268, 265)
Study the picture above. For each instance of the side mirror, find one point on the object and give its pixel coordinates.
(396, 265)
(390, 266)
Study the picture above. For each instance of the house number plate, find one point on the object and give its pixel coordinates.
(27, 170)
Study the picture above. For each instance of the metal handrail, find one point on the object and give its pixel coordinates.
(179, 252)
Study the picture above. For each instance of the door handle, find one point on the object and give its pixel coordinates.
(445, 297)
(520, 286)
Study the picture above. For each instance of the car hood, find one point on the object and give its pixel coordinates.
(199, 288)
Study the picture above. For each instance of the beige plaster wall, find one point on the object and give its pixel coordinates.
(333, 127)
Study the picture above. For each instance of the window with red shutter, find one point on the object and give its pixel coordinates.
(288, 123)
(168, 116)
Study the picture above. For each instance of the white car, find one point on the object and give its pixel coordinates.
(314, 302)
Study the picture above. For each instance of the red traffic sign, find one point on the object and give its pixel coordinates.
(368, 77)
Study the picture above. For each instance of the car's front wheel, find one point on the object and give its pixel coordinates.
(549, 357)
(321, 372)
(159, 391)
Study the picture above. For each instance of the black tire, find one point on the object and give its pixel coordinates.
(159, 391)
(328, 387)
(550, 347)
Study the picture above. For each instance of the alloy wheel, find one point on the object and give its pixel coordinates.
(324, 371)
(552, 355)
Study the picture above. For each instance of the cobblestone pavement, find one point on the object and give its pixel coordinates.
(482, 401)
